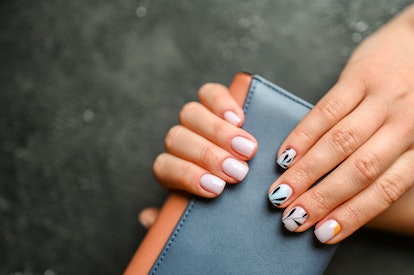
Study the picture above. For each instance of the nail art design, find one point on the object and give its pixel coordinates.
(295, 218)
(286, 158)
(280, 194)
(327, 230)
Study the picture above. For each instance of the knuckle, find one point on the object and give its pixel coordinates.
(329, 110)
(208, 155)
(344, 140)
(219, 128)
(391, 188)
(355, 215)
(173, 136)
(302, 174)
(188, 110)
(304, 135)
(320, 199)
(368, 167)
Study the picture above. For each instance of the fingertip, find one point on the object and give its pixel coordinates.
(244, 146)
(327, 230)
(286, 158)
(148, 216)
(233, 118)
(212, 184)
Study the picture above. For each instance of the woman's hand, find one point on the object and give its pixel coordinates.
(363, 131)
(208, 149)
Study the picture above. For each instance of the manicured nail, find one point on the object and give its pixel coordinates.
(286, 158)
(232, 118)
(280, 194)
(243, 146)
(327, 230)
(295, 218)
(235, 168)
(212, 183)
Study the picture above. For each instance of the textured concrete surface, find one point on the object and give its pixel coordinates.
(89, 89)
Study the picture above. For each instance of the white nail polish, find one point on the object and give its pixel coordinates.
(212, 184)
(327, 230)
(286, 158)
(243, 146)
(232, 118)
(235, 168)
(295, 218)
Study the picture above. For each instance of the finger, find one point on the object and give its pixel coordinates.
(369, 203)
(187, 145)
(148, 216)
(333, 107)
(335, 146)
(175, 173)
(218, 100)
(199, 119)
(351, 177)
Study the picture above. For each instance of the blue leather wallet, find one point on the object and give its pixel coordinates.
(240, 232)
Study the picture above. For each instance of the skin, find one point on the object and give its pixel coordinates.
(363, 126)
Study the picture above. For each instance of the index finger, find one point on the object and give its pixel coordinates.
(333, 107)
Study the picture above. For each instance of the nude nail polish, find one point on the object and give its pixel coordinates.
(243, 146)
(295, 218)
(286, 158)
(235, 169)
(212, 183)
(232, 118)
(327, 230)
(280, 194)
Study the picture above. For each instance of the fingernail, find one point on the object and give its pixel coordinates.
(232, 118)
(295, 218)
(212, 184)
(286, 158)
(235, 168)
(327, 230)
(243, 146)
(280, 194)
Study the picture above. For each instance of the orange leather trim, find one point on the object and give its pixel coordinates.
(175, 205)
(239, 87)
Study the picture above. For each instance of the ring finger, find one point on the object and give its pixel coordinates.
(192, 147)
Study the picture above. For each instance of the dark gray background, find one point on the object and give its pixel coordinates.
(90, 88)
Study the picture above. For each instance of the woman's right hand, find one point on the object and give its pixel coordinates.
(208, 148)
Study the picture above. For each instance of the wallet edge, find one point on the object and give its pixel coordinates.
(174, 207)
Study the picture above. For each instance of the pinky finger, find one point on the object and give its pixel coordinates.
(366, 205)
(176, 173)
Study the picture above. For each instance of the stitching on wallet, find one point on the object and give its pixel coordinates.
(174, 235)
(250, 95)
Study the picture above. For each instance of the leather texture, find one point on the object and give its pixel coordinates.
(240, 232)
